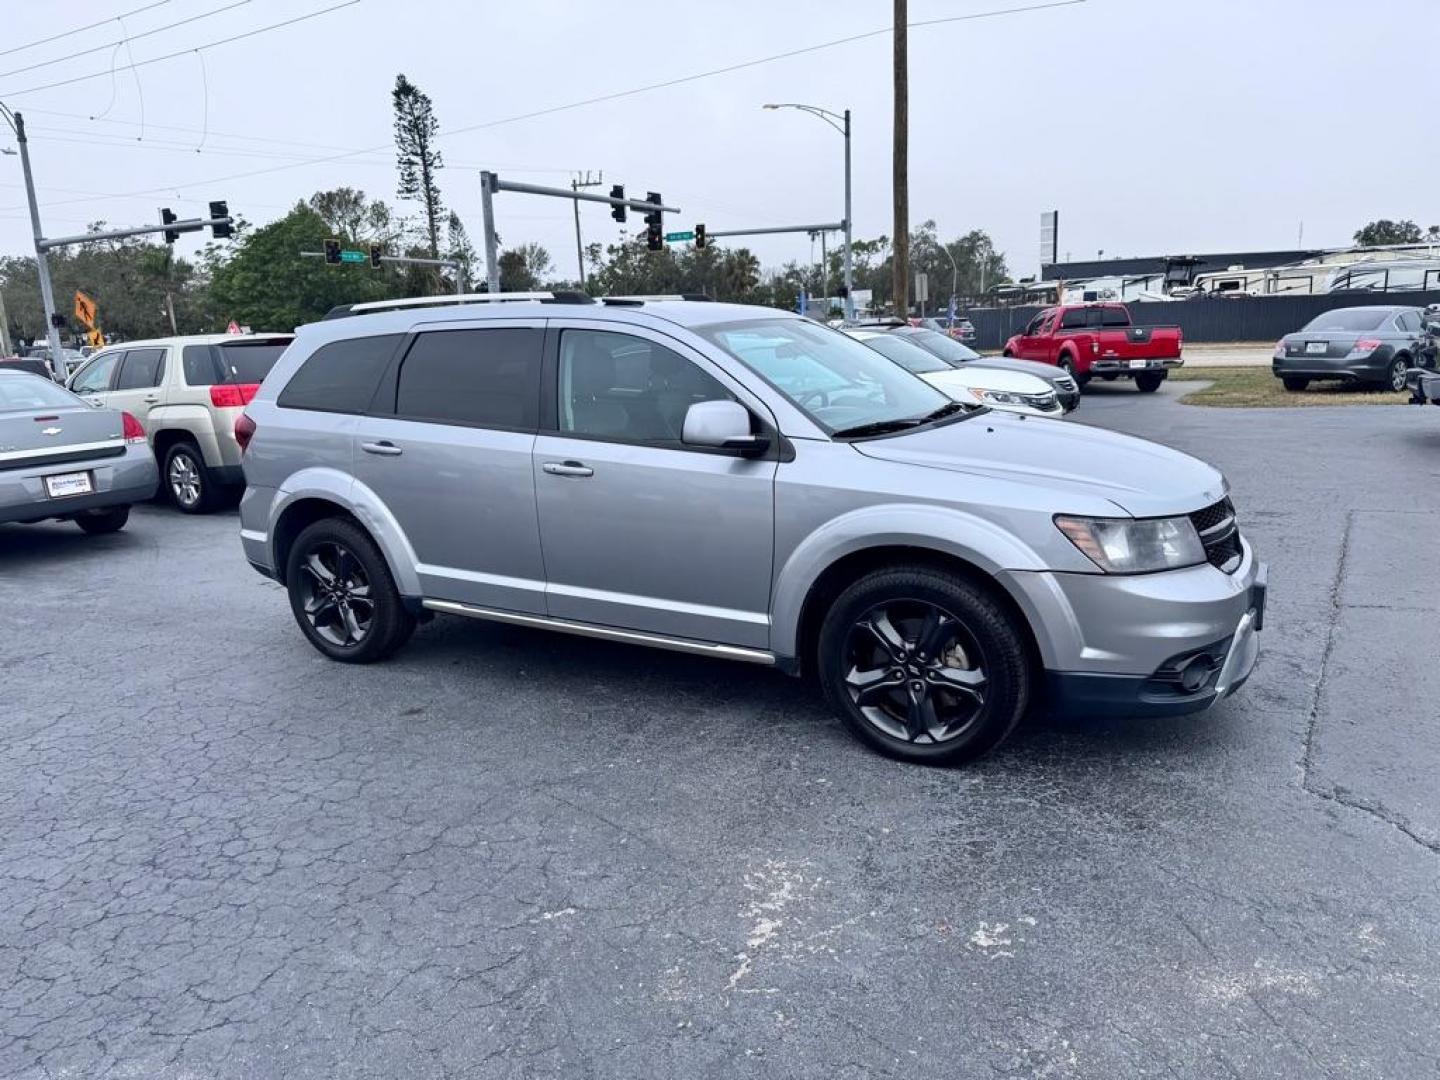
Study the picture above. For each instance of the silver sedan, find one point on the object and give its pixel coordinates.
(62, 459)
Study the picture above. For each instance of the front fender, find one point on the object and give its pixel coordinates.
(935, 528)
(350, 494)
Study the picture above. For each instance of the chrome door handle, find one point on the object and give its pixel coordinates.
(567, 468)
(150, 400)
(384, 449)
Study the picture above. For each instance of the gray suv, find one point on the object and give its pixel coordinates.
(741, 483)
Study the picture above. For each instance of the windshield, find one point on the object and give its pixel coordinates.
(943, 346)
(25, 391)
(911, 357)
(831, 378)
(1351, 319)
(250, 363)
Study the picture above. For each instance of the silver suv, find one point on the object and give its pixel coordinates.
(187, 393)
(742, 483)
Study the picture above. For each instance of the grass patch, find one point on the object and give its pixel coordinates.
(1257, 388)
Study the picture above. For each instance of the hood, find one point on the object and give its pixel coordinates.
(1005, 363)
(1141, 478)
(987, 378)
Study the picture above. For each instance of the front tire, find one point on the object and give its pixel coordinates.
(99, 522)
(1149, 381)
(924, 666)
(342, 594)
(190, 485)
(1294, 383)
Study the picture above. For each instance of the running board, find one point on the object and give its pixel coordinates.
(605, 633)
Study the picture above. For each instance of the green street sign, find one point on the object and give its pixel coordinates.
(675, 237)
(354, 257)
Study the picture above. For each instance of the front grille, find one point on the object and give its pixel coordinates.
(1064, 382)
(1220, 534)
(1043, 402)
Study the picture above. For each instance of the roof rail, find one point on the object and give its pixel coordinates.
(653, 297)
(559, 296)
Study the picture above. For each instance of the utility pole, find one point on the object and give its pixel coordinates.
(900, 179)
(47, 290)
(576, 185)
(849, 230)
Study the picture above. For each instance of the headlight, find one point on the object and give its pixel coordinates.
(1010, 397)
(1128, 546)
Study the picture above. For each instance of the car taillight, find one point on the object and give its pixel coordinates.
(1279, 349)
(1367, 344)
(244, 431)
(131, 429)
(232, 395)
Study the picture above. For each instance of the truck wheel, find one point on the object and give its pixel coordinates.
(1149, 381)
(1294, 383)
(187, 480)
(342, 594)
(923, 665)
(1066, 363)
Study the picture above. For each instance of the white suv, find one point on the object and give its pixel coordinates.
(187, 393)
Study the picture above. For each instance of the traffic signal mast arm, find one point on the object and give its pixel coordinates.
(181, 226)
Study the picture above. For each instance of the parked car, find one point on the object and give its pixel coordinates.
(186, 393)
(1098, 339)
(741, 483)
(1067, 390)
(1370, 345)
(959, 329)
(1007, 390)
(30, 364)
(60, 459)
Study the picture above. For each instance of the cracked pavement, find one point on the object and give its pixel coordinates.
(513, 854)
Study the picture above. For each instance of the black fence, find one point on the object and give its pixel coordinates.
(1239, 318)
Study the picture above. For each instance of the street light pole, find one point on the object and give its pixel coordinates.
(47, 290)
(844, 128)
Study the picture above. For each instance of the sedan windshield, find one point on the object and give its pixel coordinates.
(19, 392)
(1347, 319)
(832, 378)
(946, 348)
(911, 357)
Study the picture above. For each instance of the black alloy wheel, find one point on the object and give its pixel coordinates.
(335, 595)
(342, 593)
(915, 672)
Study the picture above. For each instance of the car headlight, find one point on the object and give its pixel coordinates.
(1010, 397)
(1130, 546)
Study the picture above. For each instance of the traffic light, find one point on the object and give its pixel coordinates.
(167, 217)
(332, 252)
(699, 236)
(220, 210)
(654, 237)
(618, 212)
(376, 251)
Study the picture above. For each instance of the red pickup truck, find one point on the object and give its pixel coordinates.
(1089, 340)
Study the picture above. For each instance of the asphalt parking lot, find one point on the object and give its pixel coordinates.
(511, 854)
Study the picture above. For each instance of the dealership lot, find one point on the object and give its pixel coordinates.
(506, 853)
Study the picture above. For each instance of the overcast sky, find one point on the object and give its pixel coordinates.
(1153, 126)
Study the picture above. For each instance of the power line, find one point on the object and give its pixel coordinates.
(124, 40)
(81, 29)
(181, 52)
(327, 159)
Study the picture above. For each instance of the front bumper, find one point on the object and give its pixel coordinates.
(117, 481)
(1145, 644)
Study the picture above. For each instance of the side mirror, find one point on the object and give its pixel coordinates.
(722, 425)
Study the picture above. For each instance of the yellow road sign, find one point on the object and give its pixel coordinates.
(84, 309)
(95, 337)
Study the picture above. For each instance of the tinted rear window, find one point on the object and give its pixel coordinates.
(141, 369)
(340, 377)
(489, 378)
(1348, 319)
(249, 363)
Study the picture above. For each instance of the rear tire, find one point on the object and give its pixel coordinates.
(1294, 383)
(924, 665)
(1149, 381)
(190, 485)
(1395, 382)
(342, 594)
(99, 522)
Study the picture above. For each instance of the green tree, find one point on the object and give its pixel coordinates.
(417, 157)
(1382, 232)
(524, 268)
(357, 219)
(265, 283)
(459, 248)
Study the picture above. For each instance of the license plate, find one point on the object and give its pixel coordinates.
(67, 484)
(1317, 348)
(1139, 363)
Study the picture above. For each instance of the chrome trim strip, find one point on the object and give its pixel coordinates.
(60, 448)
(1220, 530)
(606, 633)
(704, 611)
